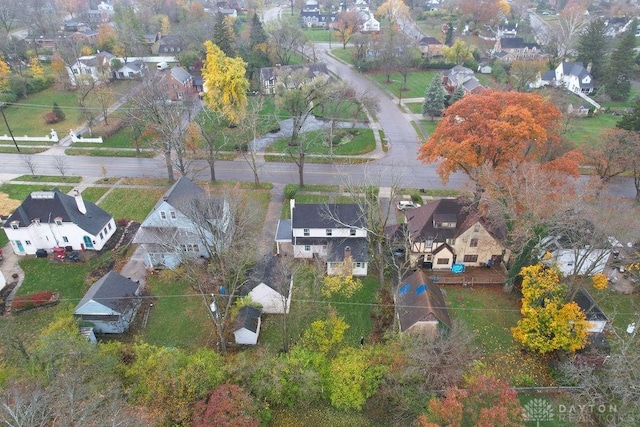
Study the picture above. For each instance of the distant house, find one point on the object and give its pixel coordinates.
(595, 316)
(420, 306)
(48, 219)
(168, 234)
(509, 49)
(315, 19)
(96, 67)
(507, 30)
(135, 69)
(484, 68)
(169, 44)
(369, 23)
(574, 261)
(110, 304)
(579, 110)
(85, 36)
(574, 77)
(271, 77)
(461, 76)
(334, 232)
(270, 284)
(447, 231)
(430, 47)
(545, 78)
(178, 84)
(247, 327)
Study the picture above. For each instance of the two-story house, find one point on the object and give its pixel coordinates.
(461, 76)
(509, 49)
(184, 223)
(170, 44)
(430, 47)
(369, 23)
(447, 231)
(177, 83)
(333, 232)
(48, 219)
(134, 69)
(271, 77)
(575, 77)
(96, 67)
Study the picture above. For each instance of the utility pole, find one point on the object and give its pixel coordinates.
(7, 123)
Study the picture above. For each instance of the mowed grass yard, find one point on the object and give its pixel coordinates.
(354, 142)
(131, 203)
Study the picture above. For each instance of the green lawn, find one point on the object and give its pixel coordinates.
(131, 203)
(179, 317)
(585, 130)
(3, 239)
(417, 83)
(20, 192)
(23, 150)
(490, 314)
(49, 178)
(321, 35)
(26, 117)
(364, 142)
(121, 139)
(621, 309)
(345, 55)
(622, 104)
(357, 310)
(92, 194)
(107, 153)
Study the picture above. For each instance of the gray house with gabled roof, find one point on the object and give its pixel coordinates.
(575, 77)
(110, 304)
(420, 306)
(169, 233)
(334, 232)
(270, 284)
(48, 219)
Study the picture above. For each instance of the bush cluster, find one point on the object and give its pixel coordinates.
(32, 300)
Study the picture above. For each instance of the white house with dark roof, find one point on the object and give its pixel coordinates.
(170, 233)
(333, 232)
(247, 327)
(110, 304)
(270, 284)
(420, 306)
(96, 67)
(574, 77)
(135, 69)
(48, 219)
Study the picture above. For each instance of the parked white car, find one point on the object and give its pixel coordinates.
(403, 205)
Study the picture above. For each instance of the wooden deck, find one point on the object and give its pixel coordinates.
(472, 276)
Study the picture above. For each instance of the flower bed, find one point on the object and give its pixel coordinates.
(35, 300)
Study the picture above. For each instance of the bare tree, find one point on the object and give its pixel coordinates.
(571, 22)
(30, 163)
(164, 121)
(286, 38)
(208, 126)
(60, 163)
(253, 124)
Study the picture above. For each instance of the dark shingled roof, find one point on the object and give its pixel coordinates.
(312, 70)
(271, 271)
(47, 205)
(358, 245)
(516, 43)
(248, 318)
(112, 290)
(419, 299)
(425, 41)
(327, 216)
(181, 193)
(586, 302)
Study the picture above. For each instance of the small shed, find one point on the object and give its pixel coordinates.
(595, 316)
(420, 305)
(247, 326)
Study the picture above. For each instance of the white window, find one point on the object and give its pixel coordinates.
(306, 232)
(329, 232)
(352, 232)
(173, 215)
(109, 226)
(65, 239)
(58, 221)
(27, 242)
(101, 235)
(451, 241)
(36, 221)
(307, 248)
(163, 215)
(358, 264)
(14, 225)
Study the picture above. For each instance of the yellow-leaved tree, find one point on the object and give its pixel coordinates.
(5, 72)
(548, 322)
(36, 68)
(342, 282)
(225, 83)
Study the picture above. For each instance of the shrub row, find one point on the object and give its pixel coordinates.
(32, 300)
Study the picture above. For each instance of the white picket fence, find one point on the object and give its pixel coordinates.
(52, 137)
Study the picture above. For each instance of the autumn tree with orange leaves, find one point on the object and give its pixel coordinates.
(489, 130)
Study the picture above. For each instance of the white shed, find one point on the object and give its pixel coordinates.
(247, 327)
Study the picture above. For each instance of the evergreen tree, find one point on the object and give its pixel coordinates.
(257, 35)
(434, 98)
(592, 48)
(457, 95)
(631, 120)
(621, 65)
(58, 112)
(449, 36)
(223, 36)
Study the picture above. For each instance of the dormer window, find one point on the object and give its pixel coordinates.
(352, 232)
(36, 221)
(15, 225)
(329, 232)
(58, 221)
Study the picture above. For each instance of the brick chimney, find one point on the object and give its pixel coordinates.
(79, 202)
(347, 253)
